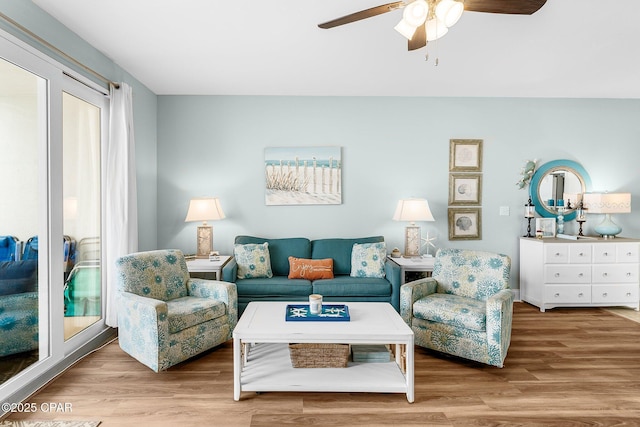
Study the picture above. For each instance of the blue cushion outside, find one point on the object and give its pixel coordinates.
(17, 277)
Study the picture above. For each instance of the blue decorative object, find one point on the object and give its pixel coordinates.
(330, 313)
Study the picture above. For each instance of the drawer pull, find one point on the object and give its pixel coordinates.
(628, 294)
(606, 254)
(629, 253)
(581, 275)
(580, 295)
(605, 274)
(557, 254)
(581, 254)
(629, 274)
(557, 294)
(557, 275)
(604, 294)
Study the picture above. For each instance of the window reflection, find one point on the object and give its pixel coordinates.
(20, 118)
(81, 214)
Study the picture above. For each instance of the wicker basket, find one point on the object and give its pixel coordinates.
(319, 355)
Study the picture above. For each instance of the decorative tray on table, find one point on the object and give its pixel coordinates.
(330, 313)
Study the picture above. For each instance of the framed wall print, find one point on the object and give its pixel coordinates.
(465, 155)
(303, 175)
(465, 223)
(465, 189)
(546, 226)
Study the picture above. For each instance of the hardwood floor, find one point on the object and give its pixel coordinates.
(565, 367)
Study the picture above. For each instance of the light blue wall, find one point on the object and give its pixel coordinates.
(392, 148)
(36, 20)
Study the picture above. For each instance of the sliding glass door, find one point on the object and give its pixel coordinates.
(23, 118)
(53, 130)
(82, 208)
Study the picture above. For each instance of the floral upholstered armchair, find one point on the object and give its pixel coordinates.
(166, 317)
(465, 308)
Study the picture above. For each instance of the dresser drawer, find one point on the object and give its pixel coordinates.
(556, 253)
(627, 252)
(603, 294)
(580, 254)
(554, 273)
(576, 294)
(604, 253)
(615, 273)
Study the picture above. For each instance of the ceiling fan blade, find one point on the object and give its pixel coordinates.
(514, 7)
(419, 38)
(363, 14)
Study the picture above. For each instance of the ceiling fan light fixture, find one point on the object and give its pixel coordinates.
(449, 11)
(435, 29)
(405, 29)
(416, 13)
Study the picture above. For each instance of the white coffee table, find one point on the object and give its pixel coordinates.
(261, 360)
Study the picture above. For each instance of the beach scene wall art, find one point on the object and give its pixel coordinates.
(303, 175)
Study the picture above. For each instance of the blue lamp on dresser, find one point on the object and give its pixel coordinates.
(607, 204)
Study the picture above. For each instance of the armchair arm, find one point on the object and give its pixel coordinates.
(221, 291)
(230, 271)
(392, 273)
(143, 328)
(499, 319)
(412, 292)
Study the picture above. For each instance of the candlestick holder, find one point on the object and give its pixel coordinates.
(581, 217)
(528, 214)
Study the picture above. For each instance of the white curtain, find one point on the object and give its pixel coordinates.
(121, 211)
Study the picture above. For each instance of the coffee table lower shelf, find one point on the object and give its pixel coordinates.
(268, 368)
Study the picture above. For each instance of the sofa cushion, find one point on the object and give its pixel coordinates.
(273, 287)
(280, 250)
(253, 260)
(339, 250)
(182, 313)
(367, 259)
(346, 286)
(310, 269)
(454, 310)
(17, 277)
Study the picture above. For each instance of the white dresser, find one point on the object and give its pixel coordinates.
(580, 273)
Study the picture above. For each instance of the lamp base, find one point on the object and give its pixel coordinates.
(412, 241)
(607, 228)
(205, 241)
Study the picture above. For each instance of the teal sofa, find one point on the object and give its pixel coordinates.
(342, 287)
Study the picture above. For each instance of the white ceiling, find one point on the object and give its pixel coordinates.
(569, 48)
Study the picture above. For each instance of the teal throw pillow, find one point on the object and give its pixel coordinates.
(367, 259)
(253, 260)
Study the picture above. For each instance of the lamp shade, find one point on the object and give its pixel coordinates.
(413, 210)
(449, 11)
(607, 203)
(204, 209)
(435, 29)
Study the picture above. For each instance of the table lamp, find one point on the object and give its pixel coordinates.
(204, 209)
(607, 203)
(412, 210)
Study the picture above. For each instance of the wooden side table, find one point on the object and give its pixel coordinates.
(421, 264)
(203, 268)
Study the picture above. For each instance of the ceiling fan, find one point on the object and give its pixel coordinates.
(427, 20)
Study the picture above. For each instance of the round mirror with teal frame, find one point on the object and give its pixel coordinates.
(564, 177)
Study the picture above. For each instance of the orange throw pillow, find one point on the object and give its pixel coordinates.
(310, 269)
